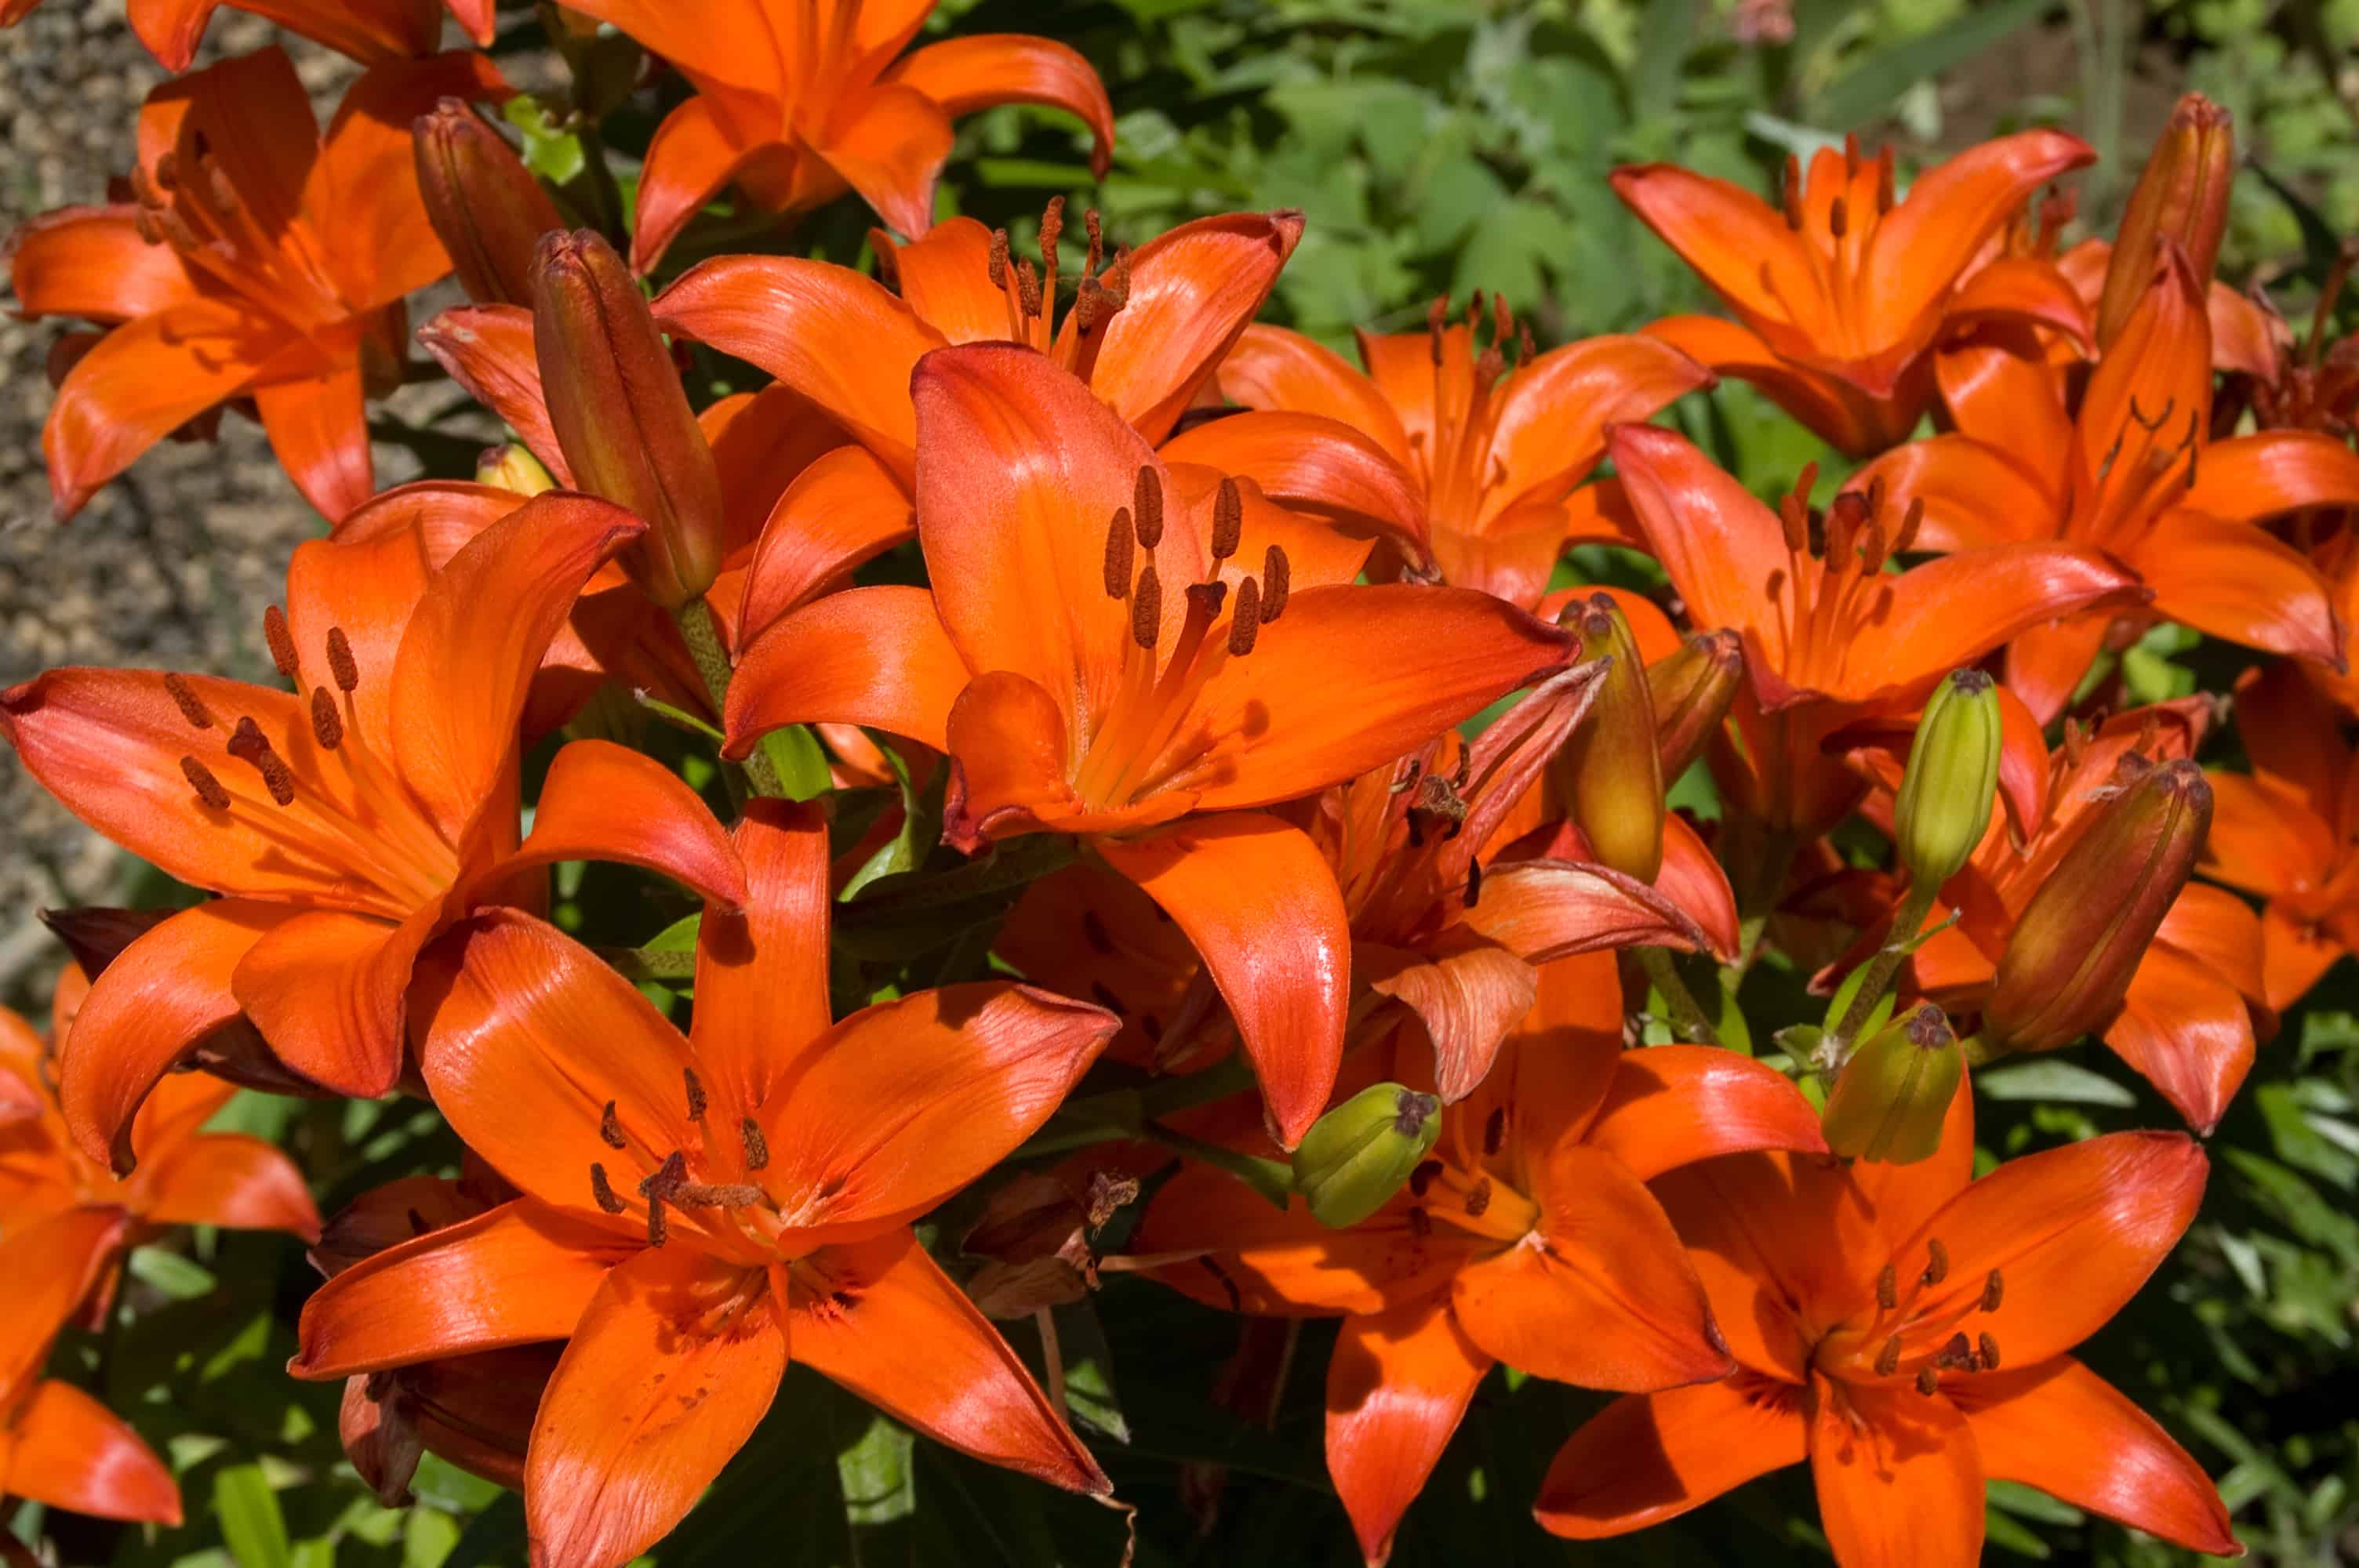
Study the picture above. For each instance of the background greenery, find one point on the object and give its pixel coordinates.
(1437, 146)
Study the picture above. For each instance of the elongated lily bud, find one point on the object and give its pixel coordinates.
(2080, 941)
(2183, 196)
(1692, 690)
(1944, 803)
(1610, 775)
(512, 467)
(1357, 1156)
(621, 418)
(486, 207)
(1889, 1102)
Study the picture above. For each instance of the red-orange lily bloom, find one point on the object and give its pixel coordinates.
(697, 1210)
(58, 1445)
(1905, 1331)
(798, 101)
(368, 30)
(1144, 656)
(2187, 1022)
(345, 826)
(1840, 299)
(260, 259)
(2285, 831)
(1493, 449)
(2132, 470)
(1829, 633)
(1529, 1238)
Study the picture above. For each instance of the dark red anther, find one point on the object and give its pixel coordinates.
(1478, 1198)
(1910, 521)
(1204, 601)
(602, 1192)
(281, 640)
(1793, 192)
(1838, 218)
(1994, 1291)
(1119, 555)
(610, 1129)
(1228, 519)
(723, 1195)
(996, 267)
(327, 723)
(1851, 155)
(1495, 1130)
(342, 665)
(1052, 229)
(1027, 288)
(1473, 884)
(1276, 582)
(696, 1097)
(1437, 317)
(1928, 1382)
(1244, 625)
(757, 1148)
(1887, 1288)
(186, 701)
(1097, 241)
(1147, 607)
(657, 1231)
(209, 788)
(249, 745)
(1888, 1360)
(1989, 1348)
(666, 1178)
(1422, 1177)
(1147, 508)
(1937, 1266)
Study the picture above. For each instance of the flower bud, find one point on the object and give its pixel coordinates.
(484, 204)
(512, 467)
(1356, 1156)
(620, 418)
(1610, 775)
(1691, 690)
(1944, 803)
(1889, 1102)
(2182, 195)
(2080, 938)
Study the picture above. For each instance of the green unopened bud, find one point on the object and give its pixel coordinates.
(1944, 805)
(620, 418)
(1609, 776)
(1893, 1093)
(2182, 195)
(485, 206)
(2082, 936)
(1692, 690)
(1356, 1156)
(512, 467)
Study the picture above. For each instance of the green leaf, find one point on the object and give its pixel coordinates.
(2051, 1080)
(550, 152)
(1864, 91)
(1668, 32)
(179, 1277)
(251, 1524)
(875, 1470)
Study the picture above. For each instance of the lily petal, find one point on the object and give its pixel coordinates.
(318, 433)
(604, 802)
(1949, 612)
(71, 1452)
(1280, 371)
(890, 147)
(694, 152)
(1312, 463)
(2233, 580)
(1900, 1481)
(1922, 246)
(51, 1265)
(1257, 899)
(1975, 494)
(228, 1179)
(1553, 909)
(761, 974)
(1718, 542)
(844, 509)
(1649, 1458)
(1674, 1104)
(1396, 1387)
(1466, 990)
(872, 657)
(1555, 412)
(89, 262)
(2186, 1031)
(963, 75)
(488, 349)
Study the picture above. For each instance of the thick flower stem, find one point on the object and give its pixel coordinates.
(1880, 972)
(702, 634)
(1689, 1021)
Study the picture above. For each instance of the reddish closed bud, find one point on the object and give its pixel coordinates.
(511, 467)
(1610, 774)
(1691, 690)
(620, 415)
(2183, 196)
(484, 204)
(1894, 1092)
(2080, 941)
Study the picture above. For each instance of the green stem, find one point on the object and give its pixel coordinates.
(636, 964)
(701, 633)
(1689, 1021)
(1273, 1179)
(1981, 1051)
(1880, 971)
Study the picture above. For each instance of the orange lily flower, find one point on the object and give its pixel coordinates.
(347, 827)
(58, 1445)
(1145, 331)
(798, 101)
(1494, 450)
(260, 259)
(1906, 1329)
(368, 30)
(190, 1176)
(1828, 634)
(1529, 1238)
(2284, 832)
(2133, 470)
(764, 1173)
(2186, 1023)
(1841, 297)
(1100, 657)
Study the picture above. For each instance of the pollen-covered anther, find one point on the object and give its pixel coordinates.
(996, 267)
(1928, 1382)
(327, 723)
(1937, 1267)
(1147, 607)
(1888, 1360)
(1478, 1198)
(697, 1099)
(1228, 519)
(209, 788)
(1276, 582)
(1887, 1288)
(281, 640)
(601, 1191)
(1147, 508)
(1096, 231)
(186, 701)
(1994, 1291)
(1495, 1130)
(1437, 321)
(249, 745)
(724, 1195)
(757, 1148)
(1120, 554)
(1789, 189)
(1205, 599)
(1422, 1177)
(1244, 625)
(610, 1129)
(1988, 1349)
(1027, 288)
(342, 665)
